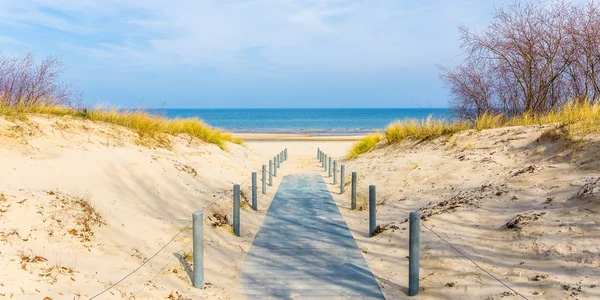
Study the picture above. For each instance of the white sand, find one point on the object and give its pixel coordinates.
(145, 196)
(487, 178)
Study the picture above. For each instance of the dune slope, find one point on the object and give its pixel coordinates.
(82, 205)
(522, 202)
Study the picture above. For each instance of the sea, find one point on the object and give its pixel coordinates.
(323, 122)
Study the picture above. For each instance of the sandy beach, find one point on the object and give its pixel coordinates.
(85, 211)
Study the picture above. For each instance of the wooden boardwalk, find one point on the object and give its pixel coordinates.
(304, 249)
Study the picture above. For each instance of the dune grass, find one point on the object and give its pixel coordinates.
(365, 144)
(578, 118)
(150, 128)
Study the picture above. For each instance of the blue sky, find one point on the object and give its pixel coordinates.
(255, 53)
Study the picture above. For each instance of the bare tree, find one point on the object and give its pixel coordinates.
(25, 83)
(533, 57)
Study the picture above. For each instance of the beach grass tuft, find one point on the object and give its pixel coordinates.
(578, 118)
(150, 128)
(365, 144)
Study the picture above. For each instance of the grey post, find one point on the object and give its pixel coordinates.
(275, 169)
(372, 209)
(270, 173)
(353, 203)
(342, 179)
(329, 168)
(324, 162)
(264, 179)
(236, 209)
(254, 192)
(198, 248)
(413, 253)
(319, 153)
(278, 160)
(285, 154)
(335, 172)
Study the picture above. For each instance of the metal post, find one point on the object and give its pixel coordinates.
(342, 179)
(285, 154)
(198, 249)
(275, 169)
(353, 203)
(278, 160)
(335, 172)
(413, 253)
(264, 179)
(236, 209)
(329, 168)
(372, 209)
(254, 192)
(270, 173)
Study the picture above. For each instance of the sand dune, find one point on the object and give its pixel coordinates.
(522, 204)
(92, 206)
(82, 205)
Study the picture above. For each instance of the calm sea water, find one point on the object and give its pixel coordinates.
(314, 121)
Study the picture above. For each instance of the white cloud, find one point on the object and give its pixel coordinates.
(241, 35)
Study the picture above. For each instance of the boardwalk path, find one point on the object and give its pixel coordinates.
(304, 250)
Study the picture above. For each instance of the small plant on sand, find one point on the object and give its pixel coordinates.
(188, 256)
(30, 259)
(218, 216)
(361, 202)
(365, 144)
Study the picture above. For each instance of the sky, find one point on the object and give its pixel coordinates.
(247, 53)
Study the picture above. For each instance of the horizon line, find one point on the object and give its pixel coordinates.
(306, 108)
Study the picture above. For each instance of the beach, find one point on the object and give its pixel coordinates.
(108, 217)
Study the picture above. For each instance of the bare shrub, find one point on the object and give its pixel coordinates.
(25, 83)
(533, 58)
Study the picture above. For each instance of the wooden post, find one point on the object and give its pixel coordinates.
(413, 253)
(198, 249)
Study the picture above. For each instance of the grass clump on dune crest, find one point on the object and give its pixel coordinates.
(365, 144)
(421, 129)
(579, 118)
(150, 128)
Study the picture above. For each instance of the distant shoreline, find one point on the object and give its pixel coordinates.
(295, 137)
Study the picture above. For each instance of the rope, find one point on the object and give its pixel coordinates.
(144, 263)
(472, 261)
(464, 255)
(154, 255)
(163, 247)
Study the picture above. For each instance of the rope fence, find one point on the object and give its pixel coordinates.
(414, 239)
(281, 157)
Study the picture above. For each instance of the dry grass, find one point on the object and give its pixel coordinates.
(578, 118)
(361, 202)
(150, 128)
(422, 129)
(365, 144)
